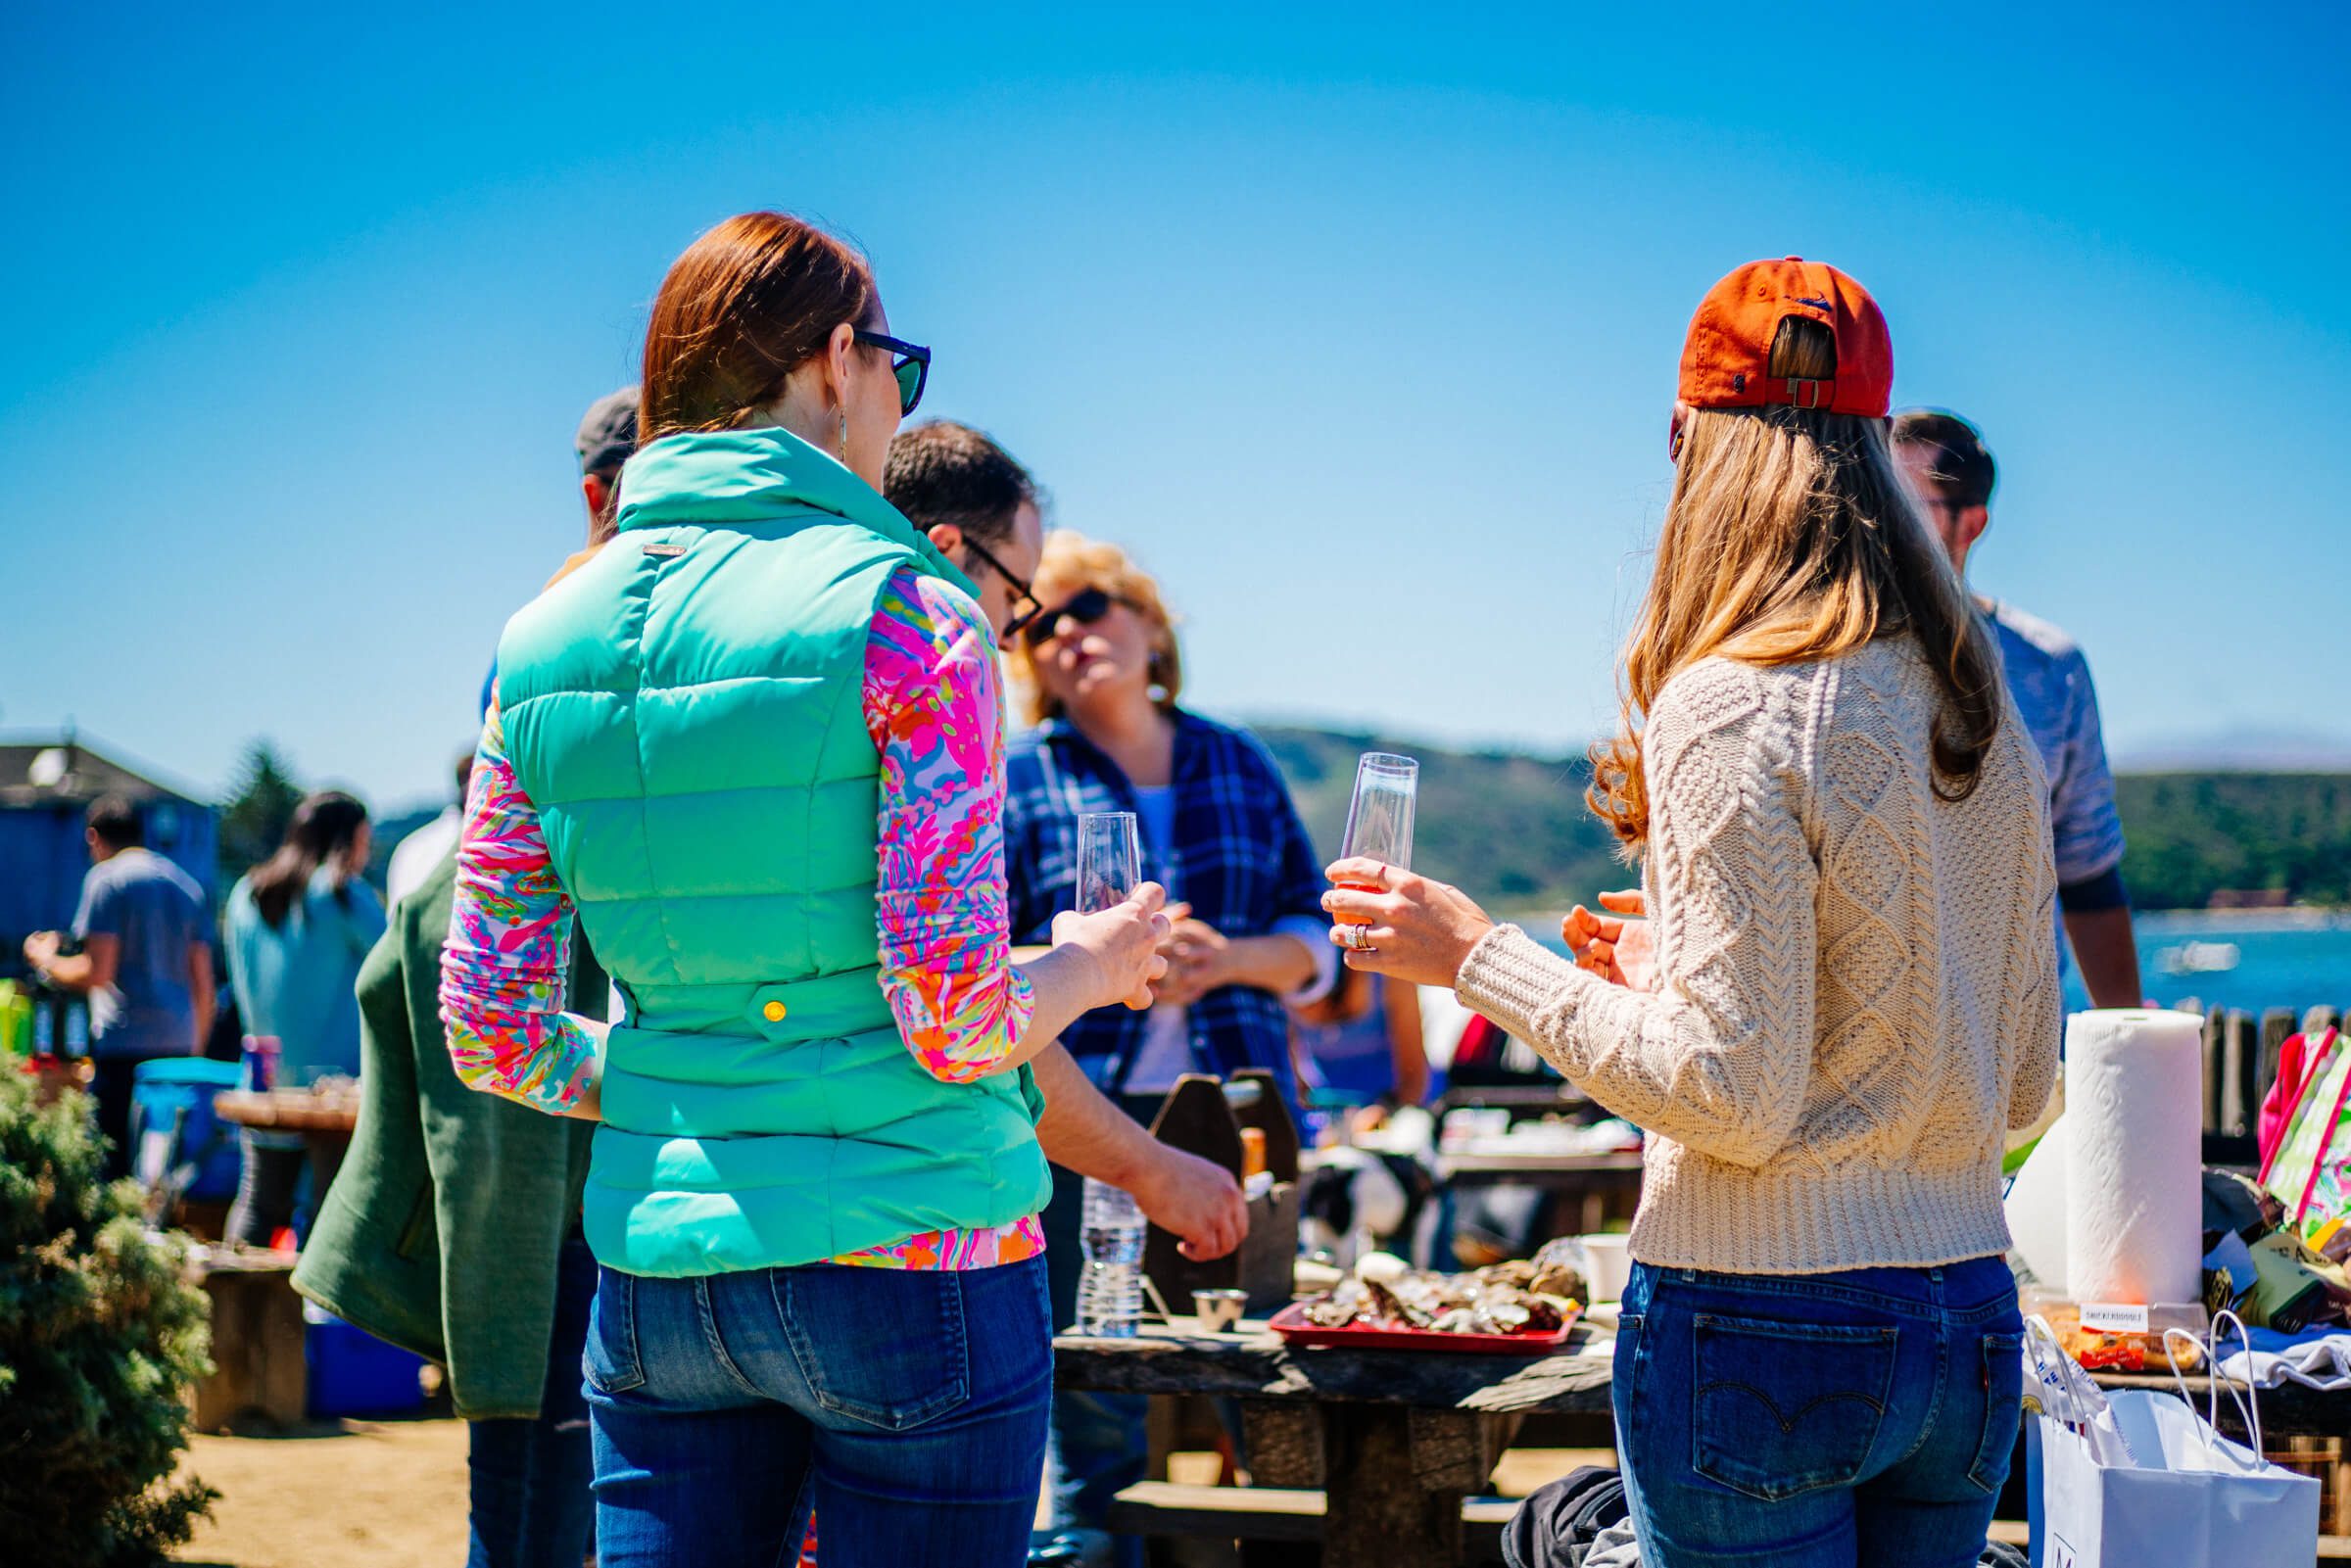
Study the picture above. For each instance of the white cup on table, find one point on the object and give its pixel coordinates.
(1608, 1266)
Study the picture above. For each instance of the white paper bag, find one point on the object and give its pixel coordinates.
(2173, 1494)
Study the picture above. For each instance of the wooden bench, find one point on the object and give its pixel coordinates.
(258, 1342)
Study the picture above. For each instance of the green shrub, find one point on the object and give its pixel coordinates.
(100, 1338)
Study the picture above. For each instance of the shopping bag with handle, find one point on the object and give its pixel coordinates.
(2149, 1482)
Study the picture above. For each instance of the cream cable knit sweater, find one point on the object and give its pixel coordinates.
(1857, 993)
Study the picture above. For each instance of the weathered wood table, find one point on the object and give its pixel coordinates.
(1397, 1439)
(325, 1121)
(1394, 1438)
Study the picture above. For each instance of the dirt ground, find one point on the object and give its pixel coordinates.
(341, 1494)
(392, 1493)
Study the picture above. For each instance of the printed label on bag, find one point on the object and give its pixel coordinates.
(2113, 1317)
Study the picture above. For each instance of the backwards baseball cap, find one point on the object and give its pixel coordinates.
(609, 433)
(1726, 360)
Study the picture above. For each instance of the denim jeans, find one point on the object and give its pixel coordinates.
(531, 1506)
(1817, 1420)
(907, 1406)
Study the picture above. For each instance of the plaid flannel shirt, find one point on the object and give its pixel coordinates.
(1241, 859)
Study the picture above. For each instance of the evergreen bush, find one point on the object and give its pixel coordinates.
(100, 1338)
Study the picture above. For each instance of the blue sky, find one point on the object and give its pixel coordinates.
(1358, 325)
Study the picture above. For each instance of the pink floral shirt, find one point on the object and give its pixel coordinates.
(933, 705)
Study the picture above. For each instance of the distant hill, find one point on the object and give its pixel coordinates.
(2194, 835)
(1513, 829)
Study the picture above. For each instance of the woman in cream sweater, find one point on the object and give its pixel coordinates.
(1843, 842)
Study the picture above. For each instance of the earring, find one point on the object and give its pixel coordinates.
(845, 434)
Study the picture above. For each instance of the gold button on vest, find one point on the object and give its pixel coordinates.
(774, 1011)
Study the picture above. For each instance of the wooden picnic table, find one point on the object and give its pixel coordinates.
(325, 1121)
(1397, 1440)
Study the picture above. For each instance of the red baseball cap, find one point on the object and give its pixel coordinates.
(1726, 359)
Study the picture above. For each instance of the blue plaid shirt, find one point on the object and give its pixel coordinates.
(1241, 859)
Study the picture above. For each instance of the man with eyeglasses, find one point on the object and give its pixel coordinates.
(1953, 473)
(980, 507)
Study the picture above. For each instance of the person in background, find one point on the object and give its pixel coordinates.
(1102, 674)
(980, 507)
(606, 440)
(299, 926)
(1952, 471)
(1844, 843)
(499, 1286)
(814, 1194)
(414, 856)
(1362, 1044)
(145, 963)
(503, 1299)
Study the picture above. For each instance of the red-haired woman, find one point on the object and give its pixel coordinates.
(754, 739)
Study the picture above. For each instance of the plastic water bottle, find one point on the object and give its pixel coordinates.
(1110, 1295)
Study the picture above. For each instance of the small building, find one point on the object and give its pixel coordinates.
(45, 788)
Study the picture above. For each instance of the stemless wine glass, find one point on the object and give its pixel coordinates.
(1379, 821)
(1110, 860)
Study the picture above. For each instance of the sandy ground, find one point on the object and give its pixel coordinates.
(392, 1493)
(350, 1495)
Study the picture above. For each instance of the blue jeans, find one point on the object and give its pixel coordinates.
(908, 1406)
(531, 1506)
(1817, 1420)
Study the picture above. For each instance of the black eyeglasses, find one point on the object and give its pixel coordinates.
(1085, 606)
(910, 362)
(1021, 589)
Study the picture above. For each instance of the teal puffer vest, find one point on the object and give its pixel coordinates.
(685, 712)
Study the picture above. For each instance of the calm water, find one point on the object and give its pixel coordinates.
(2291, 960)
(2283, 960)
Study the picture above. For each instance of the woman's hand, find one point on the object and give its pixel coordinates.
(1620, 951)
(1417, 931)
(1121, 944)
(1198, 959)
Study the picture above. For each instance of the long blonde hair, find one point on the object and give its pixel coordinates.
(1790, 536)
(1072, 562)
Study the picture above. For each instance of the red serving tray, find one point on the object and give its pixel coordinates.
(1291, 1324)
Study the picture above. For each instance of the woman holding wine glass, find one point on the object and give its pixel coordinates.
(1102, 672)
(755, 748)
(1846, 855)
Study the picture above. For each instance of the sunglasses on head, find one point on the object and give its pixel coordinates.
(910, 362)
(1085, 606)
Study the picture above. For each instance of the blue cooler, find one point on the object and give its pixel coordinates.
(355, 1373)
(172, 1100)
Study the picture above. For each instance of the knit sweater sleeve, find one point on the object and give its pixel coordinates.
(1716, 1057)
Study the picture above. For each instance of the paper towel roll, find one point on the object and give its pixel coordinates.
(2134, 1183)
(2037, 1212)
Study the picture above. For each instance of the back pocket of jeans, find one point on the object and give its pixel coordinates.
(1782, 1409)
(887, 1347)
(611, 1361)
(2003, 1397)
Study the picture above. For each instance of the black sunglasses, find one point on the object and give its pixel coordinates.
(910, 362)
(1019, 587)
(1085, 606)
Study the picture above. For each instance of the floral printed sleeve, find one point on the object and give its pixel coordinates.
(934, 706)
(508, 949)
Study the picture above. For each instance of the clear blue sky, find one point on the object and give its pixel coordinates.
(1359, 325)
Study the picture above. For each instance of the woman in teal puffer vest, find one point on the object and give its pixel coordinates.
(755, 746)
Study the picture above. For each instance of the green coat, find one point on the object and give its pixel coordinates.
(441, 1230)
(686, 713)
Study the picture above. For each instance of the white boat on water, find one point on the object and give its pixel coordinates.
(2200, 958)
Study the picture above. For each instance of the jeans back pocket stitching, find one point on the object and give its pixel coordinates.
(706, 1310)
(631, 1374)
(2013, 1346)
(1857, 1335)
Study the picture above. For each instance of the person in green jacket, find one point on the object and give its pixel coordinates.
(452, 1230)
(755, 749)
